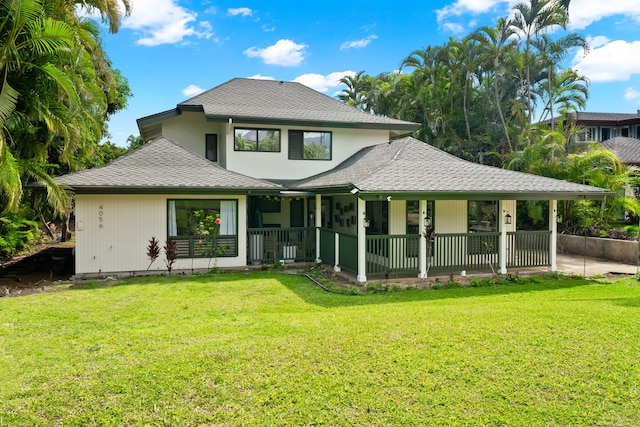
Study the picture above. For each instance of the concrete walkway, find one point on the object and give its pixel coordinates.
(577, 264)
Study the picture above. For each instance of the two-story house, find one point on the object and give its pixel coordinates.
(296, 175)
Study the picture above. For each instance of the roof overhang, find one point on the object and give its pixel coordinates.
(174, 190)
(397, 195)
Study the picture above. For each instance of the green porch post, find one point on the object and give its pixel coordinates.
(362, 242)
(503, 237)
(318, 225)
(422, 251)
(553, 227)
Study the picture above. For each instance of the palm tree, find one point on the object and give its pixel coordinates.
(356, 92)
(28, 40)
(532, 19)
(495, 42)
(550, 54)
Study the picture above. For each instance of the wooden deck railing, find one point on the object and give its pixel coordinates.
(288, 244)
(528, 248)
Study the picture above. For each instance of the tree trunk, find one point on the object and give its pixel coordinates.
(65, 234)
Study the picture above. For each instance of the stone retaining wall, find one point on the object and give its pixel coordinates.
(624, 251)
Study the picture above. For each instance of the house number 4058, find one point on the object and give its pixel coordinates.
(100, 217)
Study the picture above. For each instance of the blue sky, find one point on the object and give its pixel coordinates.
(170, 50)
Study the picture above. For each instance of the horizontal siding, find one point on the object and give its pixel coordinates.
(113, 231)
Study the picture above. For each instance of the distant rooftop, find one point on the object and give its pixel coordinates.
(627, 149)
(587, 117)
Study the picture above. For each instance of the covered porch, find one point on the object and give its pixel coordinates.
(403, 238)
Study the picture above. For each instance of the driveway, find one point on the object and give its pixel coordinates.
(577, 264)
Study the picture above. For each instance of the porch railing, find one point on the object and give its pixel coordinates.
(288, 244)
(327, 246)
(464, 251)
(392, 255)
(528, 248)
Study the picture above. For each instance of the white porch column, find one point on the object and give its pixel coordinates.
(503, 237)
(553, 227)
(318, 224)
(362, 242)
(422, 251)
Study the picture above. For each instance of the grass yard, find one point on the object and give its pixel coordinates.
(268, 349)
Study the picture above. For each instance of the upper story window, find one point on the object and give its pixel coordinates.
(257, 140)
(211, 147)
(309, 145)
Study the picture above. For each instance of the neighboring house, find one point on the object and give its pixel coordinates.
(599, 127)
(298, 176)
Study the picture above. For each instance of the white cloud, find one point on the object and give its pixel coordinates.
(598, 41)
(358, 44)
(460, 7)
(285, 53)
(164, 22)
(268, 28)
(631, 94)
(261, 77)
(617, 60)
(585, 12)
(453, 27)
(192, 90)
(242, 11)
(323, 83)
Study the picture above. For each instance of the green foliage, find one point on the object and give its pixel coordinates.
(17, 232)
(58, 88)
(315, 151)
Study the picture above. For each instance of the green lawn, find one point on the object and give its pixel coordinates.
(268, 349)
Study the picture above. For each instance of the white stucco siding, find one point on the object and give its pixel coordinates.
(113, 231)
(450, 216)
(189, 130)
(345, 143)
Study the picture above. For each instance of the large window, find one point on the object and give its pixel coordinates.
(413, 216)
(182, 225)
(483, 216)
(257, 140)
(309, 145)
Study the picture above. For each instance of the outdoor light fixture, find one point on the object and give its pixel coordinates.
(507, 218)
(367, 222)
(427, 221)
(558, 219)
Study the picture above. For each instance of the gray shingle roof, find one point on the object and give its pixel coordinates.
(285, 102)
(162, 164)
(410, 166)
(612, 119)
(606, 117)
(627, 149)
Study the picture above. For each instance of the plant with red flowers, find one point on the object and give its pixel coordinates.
(207, 230)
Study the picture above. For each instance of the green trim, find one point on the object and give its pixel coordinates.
(159, 117)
